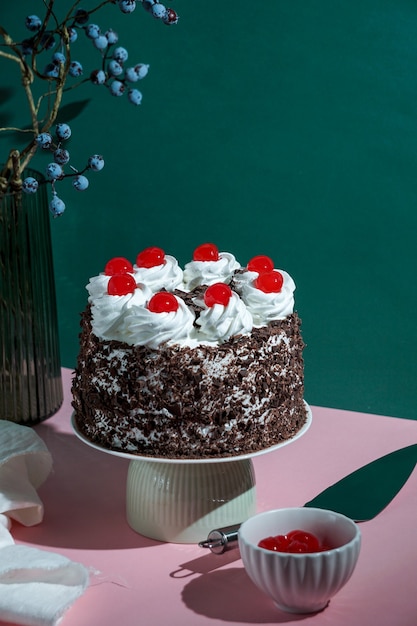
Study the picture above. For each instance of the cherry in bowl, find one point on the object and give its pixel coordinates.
(300, 582)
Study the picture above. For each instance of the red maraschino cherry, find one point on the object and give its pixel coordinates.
(206, 252)
(118, 265)
(121, 285)
(260, 264)
(219, 293)
(270, 282)
(150, 257)
(163, 302)
(279, 543)
(303, 541)
(294, 542)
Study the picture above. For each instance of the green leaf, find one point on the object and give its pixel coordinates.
(367, 491)
(72, 110)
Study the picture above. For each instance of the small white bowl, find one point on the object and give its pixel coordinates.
(300, 583)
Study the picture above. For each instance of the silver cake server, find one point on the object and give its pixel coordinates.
(360, 495)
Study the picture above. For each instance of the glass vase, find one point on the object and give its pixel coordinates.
(30, 368)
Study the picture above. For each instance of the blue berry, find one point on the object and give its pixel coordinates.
(51, 70)
(112, 36)
(80, 183)
(27, 46)
(98, 77)
(159, 10)
(127, 6)
(120, 54)
(131, 75)
(54, 171)
(101, 42)
(47, 41)
(134, 96)
(56, 206)
(63, 131)
(33, 23)
(81, 16)
(139, 71)
(58, 58)
(30, 185)
(44, 140)
(117, 88)
(75, 69)
(92, 31)
(61, 156)
(170, 18)
(96, 162)
(73, 35)
(114, 68)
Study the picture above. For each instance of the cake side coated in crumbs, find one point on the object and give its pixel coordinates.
(204, 362)
(242, 396)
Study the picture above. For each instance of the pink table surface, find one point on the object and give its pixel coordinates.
(142, 581)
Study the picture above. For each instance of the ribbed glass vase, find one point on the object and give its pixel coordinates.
(30, 368)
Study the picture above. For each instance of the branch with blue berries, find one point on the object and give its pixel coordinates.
(46, 57)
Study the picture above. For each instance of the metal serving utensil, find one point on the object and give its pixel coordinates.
(361, 495)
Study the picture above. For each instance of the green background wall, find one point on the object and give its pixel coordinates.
(276, 127)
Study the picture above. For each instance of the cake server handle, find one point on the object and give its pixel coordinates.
(221, 539)
(361, 495)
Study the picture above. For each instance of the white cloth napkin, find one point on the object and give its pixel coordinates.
(36, 586)
(25, 463)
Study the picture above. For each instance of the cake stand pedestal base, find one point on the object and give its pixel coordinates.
(181, 502)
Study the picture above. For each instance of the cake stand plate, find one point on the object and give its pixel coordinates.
(183, 500)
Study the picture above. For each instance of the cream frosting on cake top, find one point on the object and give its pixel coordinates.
(210, 271)
(213, 299)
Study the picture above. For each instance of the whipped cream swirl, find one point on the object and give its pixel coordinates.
(218, 323)
(209, 272)
(127, 318)
(167, 276)
(146, 328)
(97, 286)
(108, 312)
(266, 307)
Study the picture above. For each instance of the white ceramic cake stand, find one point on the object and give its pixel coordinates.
(182, 500)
